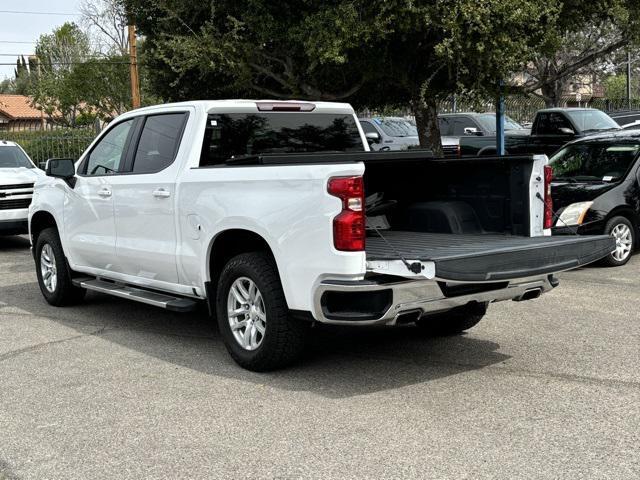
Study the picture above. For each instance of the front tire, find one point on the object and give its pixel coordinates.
(454, 321)
(623, 231)
(253, 316)
(54, 277)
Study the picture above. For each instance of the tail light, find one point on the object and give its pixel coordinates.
(548, 201)
(349, 224)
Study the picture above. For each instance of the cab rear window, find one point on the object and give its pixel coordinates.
(234, 135)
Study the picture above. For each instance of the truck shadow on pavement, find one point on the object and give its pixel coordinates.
(340, 362)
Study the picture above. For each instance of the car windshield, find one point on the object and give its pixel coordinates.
(240, 134)
(594, 161)
(14, 157)
(397, 127)
(488, 122)
(591, 120)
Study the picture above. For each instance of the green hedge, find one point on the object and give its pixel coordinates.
(44, 144)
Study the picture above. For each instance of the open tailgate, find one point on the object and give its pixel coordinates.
(485, 257)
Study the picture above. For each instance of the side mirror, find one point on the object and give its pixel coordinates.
(63, 168)
(566, 131)
(372, 137)
(472, 131)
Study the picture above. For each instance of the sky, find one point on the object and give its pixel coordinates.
(28, 27)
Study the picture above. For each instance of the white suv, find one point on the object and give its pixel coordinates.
(17, 176)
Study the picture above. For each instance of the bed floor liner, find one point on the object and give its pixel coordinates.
(490, 257)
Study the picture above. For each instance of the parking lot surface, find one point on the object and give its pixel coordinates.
(548, 388)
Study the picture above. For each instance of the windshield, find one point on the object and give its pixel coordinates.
(488, 122)
(397, 127)
(589, 120)
(593, 161)
(14, 157)
(238, 134)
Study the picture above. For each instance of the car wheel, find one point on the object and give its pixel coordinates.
(54, 277)
(253, 316)
(623, 231)
(454, 321)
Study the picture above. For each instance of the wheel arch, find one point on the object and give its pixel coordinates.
(41, 220)
(226, 245)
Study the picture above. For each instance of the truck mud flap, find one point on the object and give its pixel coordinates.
(482, 257)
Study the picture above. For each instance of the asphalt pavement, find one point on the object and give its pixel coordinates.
(548, 388)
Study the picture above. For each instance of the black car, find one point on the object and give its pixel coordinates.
(596, 189)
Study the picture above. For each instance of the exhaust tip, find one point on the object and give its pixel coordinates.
(529, 295)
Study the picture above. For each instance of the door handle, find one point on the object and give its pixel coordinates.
(161, 193)
(104, 192)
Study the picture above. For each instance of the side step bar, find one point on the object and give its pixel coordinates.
(162, 300)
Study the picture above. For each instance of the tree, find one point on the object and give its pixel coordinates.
(22, 77)
(58, 54)
(108, 21)
(102, 85)
(367, 51)
(583, 37)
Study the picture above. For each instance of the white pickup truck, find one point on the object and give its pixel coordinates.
(17, 177)
(277, 216)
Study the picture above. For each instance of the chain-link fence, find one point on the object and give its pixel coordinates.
(52, 142)
(521, 108)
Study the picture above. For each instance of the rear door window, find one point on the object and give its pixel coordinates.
(159, 142)
(550, 123)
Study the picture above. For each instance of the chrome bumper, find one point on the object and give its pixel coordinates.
(424, 297)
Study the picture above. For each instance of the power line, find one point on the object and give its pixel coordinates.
(34, 55)
(40, 13)
(71, 63)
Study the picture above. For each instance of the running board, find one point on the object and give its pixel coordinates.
(162, 300)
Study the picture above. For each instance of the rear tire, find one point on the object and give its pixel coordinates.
(253, 316)
(54, 276)
(625, 234)
(454, 321)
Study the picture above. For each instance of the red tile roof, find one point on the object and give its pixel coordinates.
(18, 107)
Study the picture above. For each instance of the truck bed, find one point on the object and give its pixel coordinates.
(489, 257)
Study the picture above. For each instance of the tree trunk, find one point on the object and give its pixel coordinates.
(426, 113)
(552, 93)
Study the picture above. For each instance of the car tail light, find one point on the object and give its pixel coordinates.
(548, 201)
(349, 224)
(285, 107)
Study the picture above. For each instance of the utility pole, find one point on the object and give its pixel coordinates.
(629, 80)
(500, 119)
(133, 67)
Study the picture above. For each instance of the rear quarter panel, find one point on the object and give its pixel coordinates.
(288, 206)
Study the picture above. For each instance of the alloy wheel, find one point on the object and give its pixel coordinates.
(48, 268)
(624, 241)
(246, 313)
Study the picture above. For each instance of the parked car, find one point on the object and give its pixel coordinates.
(17, 176)
(389, 133)
(596, 190)
(552, 128)
(397, 133)
(246, 206)
(635, 125)
(625, 117)
(479, 124)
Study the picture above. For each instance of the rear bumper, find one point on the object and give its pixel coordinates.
(383, 302)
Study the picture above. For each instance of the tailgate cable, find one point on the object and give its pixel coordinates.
(415, 267)
(574, 231)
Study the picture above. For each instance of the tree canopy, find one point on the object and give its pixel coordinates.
(371, 52)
